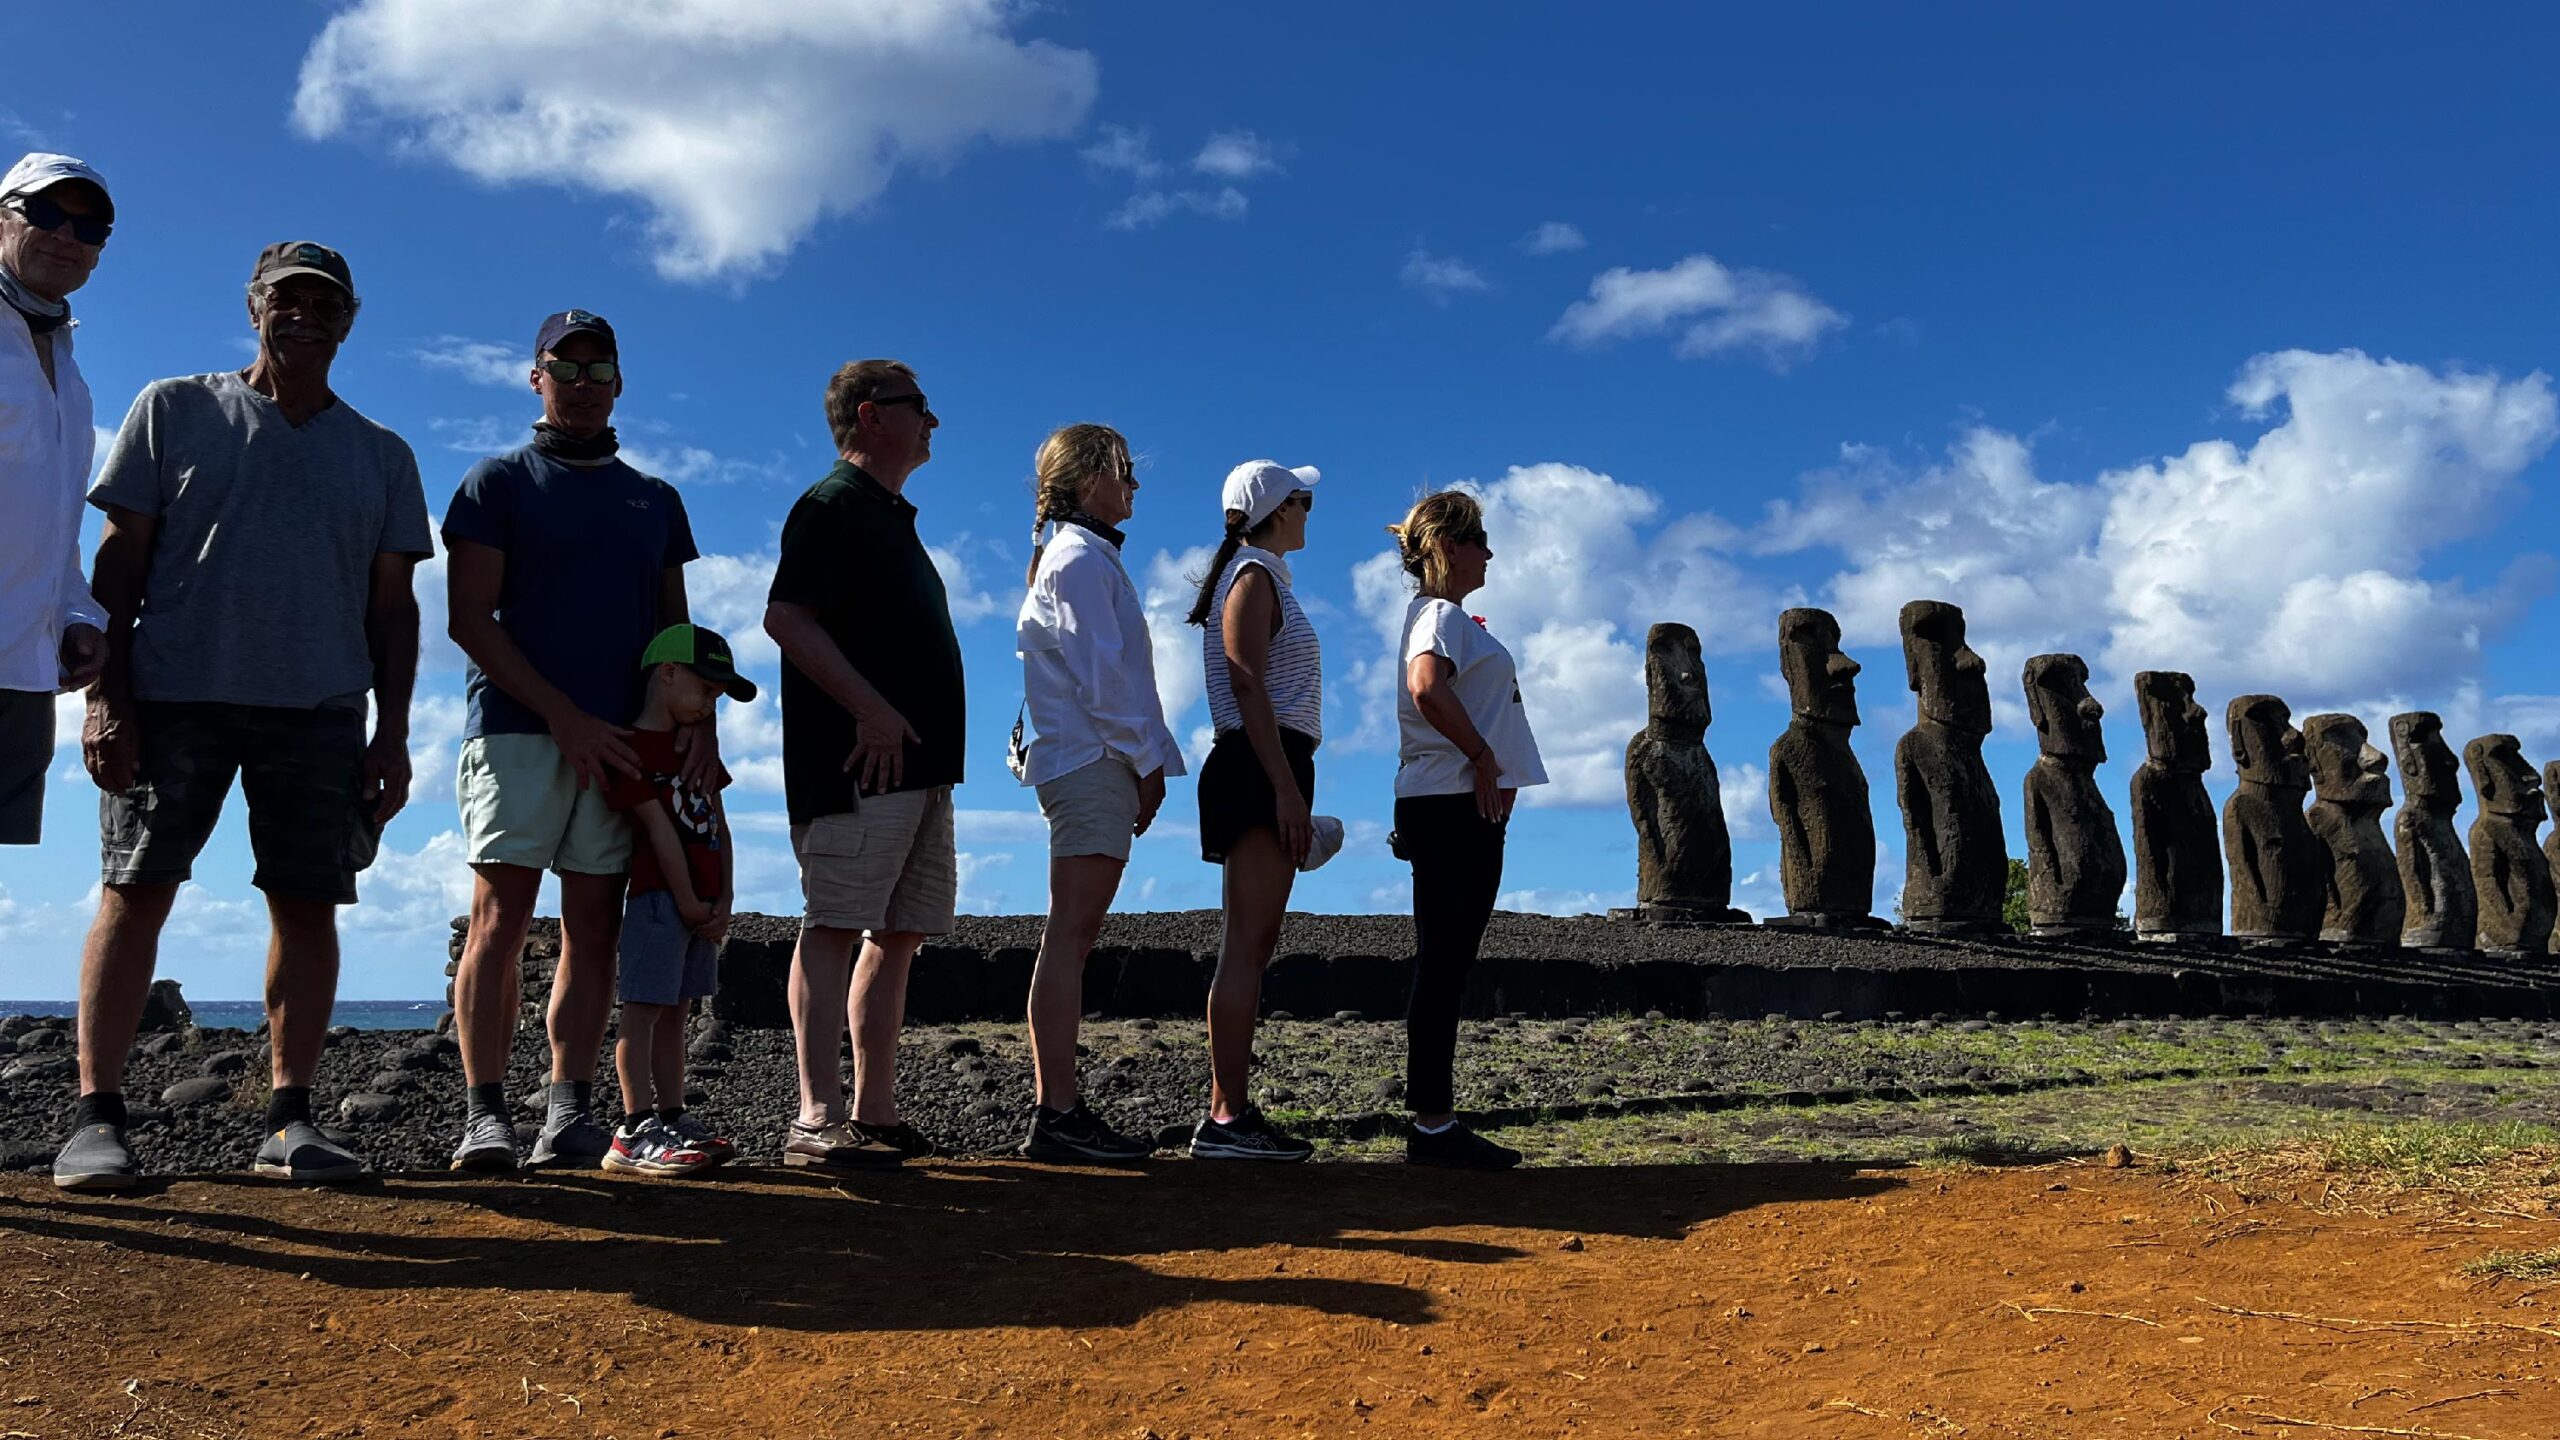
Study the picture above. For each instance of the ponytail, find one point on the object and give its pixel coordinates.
(1209, 583)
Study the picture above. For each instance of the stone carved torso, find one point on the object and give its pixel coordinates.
(1826, 833)
(1684, 857)
(2279, 870)
(2442, 909)
(1956, 859)
(2075, 859)
(2177, 853)
(2508, 869)
(2363, 905)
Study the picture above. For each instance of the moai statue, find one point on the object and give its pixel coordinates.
(2279, 869)
(2508, 870)
(1817, 791)
(2177, 853)
(2075, 860)
(2551, 842)
(2351, 782)
(1684, 858)
(1956, 867)
(2435, 874)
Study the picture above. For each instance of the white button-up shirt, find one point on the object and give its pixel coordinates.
(46, 444)
(1089, 664)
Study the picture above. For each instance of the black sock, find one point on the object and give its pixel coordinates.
(632, 1122)
(489, 1099)
(99, 1107)
(668, 1116)
(286, 1104)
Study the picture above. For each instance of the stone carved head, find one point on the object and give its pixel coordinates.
(2264, 745)
(2345, 767)
(2505, 784)
(2173, 730)
(1943, 669)
(1821, 682)
(2065, 714)
(1675, 682)
(2429, 774)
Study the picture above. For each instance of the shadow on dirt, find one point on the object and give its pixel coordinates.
(934, 1247)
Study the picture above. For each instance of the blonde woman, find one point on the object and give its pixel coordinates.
(1100, 760)
(1266, 698)
(1464, 749)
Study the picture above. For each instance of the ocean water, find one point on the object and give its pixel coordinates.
(248, 1014)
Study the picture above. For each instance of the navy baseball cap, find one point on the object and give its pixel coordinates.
(573, 322)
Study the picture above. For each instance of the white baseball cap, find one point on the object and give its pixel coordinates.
(1257, 487)
(1325, 844)
(42, 170)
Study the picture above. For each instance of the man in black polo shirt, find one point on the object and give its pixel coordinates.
(872, 721)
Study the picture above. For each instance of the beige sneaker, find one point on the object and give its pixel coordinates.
(836, 1145)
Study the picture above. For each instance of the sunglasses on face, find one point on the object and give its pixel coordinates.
(1475, 537)
(327, 309)
(568, 372)
(917, 400)
(1304, 500)
(45, 214)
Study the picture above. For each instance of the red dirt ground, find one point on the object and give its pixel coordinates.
(1004, 1299)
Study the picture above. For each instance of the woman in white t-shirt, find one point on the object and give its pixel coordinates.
(1464, 750)
(1100, 758)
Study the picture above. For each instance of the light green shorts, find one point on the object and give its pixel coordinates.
(521, 805)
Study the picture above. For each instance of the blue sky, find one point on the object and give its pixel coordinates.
(2214, 341)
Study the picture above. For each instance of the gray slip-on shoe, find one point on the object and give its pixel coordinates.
(96, 1158)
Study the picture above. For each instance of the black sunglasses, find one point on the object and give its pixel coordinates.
(45, 214)
(1475, 536)
(916, 399)
(1304, 500)
(602, 372)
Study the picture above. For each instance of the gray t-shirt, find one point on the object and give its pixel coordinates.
(263, 562)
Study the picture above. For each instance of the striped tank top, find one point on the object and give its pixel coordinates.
(1295, 678)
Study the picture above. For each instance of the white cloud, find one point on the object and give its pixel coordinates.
(1583, 565)
(1172, 584)
(1441, 277)
(727, 593)
(1236, 155)
(1123, 150)
(976, 896)
(736, 127)
(103, 440)
(1743, 795)
(978, 829)
(417, 890)
(482, 362)
(1717, 309)
(1553, 238)
(435, 741)
(969, 605)
(1149, 207)
(477, 435)
(1563, 902)
(2295, 564)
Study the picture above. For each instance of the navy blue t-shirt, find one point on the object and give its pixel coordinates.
(586, 546)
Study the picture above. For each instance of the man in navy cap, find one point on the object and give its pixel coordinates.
(255, 572)
(565, 561)
(54, 219)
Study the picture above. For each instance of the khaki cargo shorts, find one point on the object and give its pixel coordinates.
(891, 866)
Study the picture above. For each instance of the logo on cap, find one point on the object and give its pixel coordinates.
(311, 255)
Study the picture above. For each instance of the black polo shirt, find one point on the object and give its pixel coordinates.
(850, 553)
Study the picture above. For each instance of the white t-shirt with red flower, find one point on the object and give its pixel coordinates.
(1487, 684)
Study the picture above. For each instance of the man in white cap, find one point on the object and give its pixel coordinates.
(54, 219)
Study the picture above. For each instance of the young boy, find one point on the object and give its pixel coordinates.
(681, 878)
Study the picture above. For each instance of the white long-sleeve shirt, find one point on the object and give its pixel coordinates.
(46, 444)
(1089, 664)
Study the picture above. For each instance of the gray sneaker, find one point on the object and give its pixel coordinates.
(575, 1141)
(488, 1146)
(300, 1152)
(95, 1158)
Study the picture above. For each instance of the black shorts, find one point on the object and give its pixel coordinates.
(26, 753)
(302, 772)
(1235, 796)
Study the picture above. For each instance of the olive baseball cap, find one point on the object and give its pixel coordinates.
(703, 651)
(287, 258)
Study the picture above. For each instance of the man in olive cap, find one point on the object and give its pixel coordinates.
(54, 219)
(255, 574)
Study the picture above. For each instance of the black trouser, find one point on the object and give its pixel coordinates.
(1457, 866)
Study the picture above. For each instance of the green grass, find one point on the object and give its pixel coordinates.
(2516, 1264)
(2425, 1153)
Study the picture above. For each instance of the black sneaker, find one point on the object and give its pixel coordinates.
(902, 1137)
(300, 1152)
(1458, 1147)
(1246, 1137)
(1077, 1136)
(96, 1158)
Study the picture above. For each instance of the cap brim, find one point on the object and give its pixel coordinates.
(287, 272)
(740, 689)
(1307, 475)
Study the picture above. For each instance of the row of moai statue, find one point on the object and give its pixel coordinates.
(2328, 873)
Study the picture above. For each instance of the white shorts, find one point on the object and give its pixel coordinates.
(1092, 810)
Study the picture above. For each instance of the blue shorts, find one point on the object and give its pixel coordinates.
(663, 963)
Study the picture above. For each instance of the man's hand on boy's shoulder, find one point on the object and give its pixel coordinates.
(699, 744)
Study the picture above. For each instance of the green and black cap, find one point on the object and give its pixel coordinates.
(705, 652)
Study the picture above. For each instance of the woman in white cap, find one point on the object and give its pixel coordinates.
(1463, 750)
(1100, 760)
(1266, 699)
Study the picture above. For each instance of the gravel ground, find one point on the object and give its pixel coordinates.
(199, 1094)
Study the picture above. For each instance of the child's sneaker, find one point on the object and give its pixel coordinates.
(690, 1129)
(654, 1149)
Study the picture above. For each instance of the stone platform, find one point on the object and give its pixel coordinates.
(1158, 964)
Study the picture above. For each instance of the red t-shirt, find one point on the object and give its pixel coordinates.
(697, 821)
